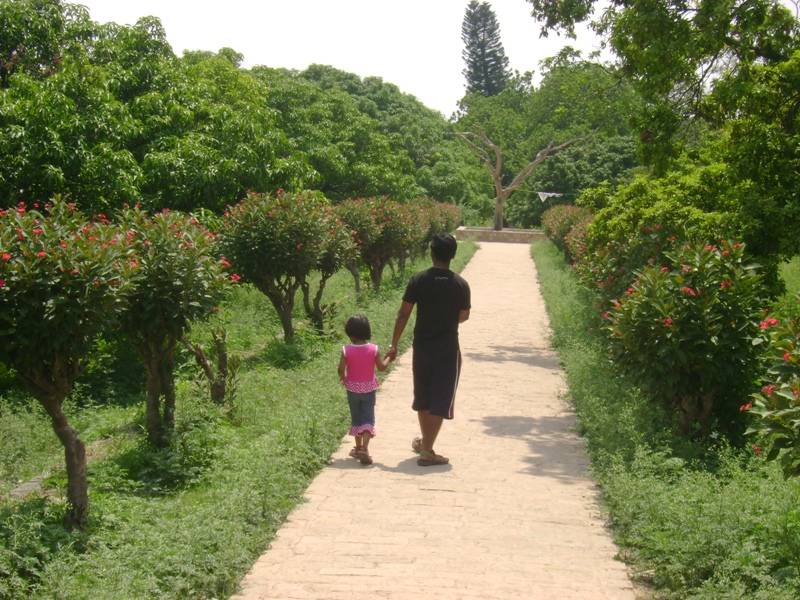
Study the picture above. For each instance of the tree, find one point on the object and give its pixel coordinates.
(491, 156)
(180, 280)
(487, 70)
(276, 242)
(62, 282)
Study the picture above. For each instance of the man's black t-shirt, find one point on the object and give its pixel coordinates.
(439, 295)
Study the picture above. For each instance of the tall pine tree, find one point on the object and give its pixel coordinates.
(487, 70)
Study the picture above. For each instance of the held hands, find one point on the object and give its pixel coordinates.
(391, 354)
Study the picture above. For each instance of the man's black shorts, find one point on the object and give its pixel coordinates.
(437, 366)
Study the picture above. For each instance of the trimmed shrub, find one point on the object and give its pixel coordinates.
(558, 220)
(684, 331)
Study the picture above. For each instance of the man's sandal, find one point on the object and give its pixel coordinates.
(429, 459)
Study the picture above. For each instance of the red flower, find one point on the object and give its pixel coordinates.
(766, 323)
(235, 277)
(667, 322)
(688, 290)
(747, 406)
(6, 256)
(41, 254)
(767, 390)
(2, 283)
(757, 448)
(787, 356)
(725, 284)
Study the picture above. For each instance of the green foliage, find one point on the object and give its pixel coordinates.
(559, 220)
(62, 281)
(683, 331)
(275, 242)
(778, 403)
(487, 69)
(180, 276)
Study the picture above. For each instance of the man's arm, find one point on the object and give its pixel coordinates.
(399, 326)
(463, 315)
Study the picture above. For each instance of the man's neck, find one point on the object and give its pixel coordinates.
(437, 264)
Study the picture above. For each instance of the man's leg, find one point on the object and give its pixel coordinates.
(429, 426)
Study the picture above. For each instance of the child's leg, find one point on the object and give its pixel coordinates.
(366, 436)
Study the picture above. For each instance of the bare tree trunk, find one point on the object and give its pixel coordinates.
(75, 459)
(490, 155)
(376, 275)
(155, 426)
(282, 298)
(50, 386)
(352, 266)
(217, 381)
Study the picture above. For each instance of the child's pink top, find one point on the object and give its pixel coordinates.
(360, 374)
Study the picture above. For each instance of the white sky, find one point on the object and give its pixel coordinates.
(414, 44)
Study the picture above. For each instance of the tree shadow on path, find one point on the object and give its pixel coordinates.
(555, 451)
(527, 355)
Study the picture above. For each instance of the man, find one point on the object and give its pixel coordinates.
(443, 302)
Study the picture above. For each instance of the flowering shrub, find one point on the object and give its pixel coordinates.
(778, 403)
(180, 280)
(62, 281)
(576, 240)
(683, 330)
(275, 242)
(558, 220)
(611, 270)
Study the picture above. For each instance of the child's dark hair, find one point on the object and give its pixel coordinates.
(357, 327)
(444, 246)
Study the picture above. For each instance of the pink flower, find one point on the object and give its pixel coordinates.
(725, 284)
(134, 263)
(41, 254)
(787, 356)
(757, 448)
(667, 322)
(688, 290)
(766, 323)
(2, 283)
(604, 314)
(235, 277)
(747, 406)
(665, 268)
(767, 390)
(6, 256)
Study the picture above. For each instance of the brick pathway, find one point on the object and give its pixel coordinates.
(513, 516)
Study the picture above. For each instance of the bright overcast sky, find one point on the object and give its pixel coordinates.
(414, 44)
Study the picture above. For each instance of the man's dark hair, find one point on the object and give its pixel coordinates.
(357, 327)
(444, 246)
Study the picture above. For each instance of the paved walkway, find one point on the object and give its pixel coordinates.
(514, 515)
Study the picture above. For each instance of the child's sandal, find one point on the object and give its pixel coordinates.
(364, 456)
(354, 452)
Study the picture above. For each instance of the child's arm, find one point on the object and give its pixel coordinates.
(342, 365)
(383, 363)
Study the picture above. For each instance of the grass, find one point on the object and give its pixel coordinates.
(189, 521)
(694, 519)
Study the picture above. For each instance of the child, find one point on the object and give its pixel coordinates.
(357, 372)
